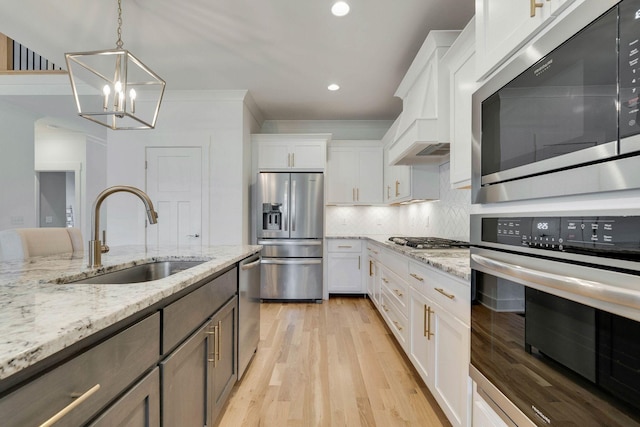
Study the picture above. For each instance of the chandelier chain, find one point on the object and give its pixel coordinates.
(119, 43)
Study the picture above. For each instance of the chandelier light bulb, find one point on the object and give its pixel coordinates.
(132, 96)
(106, 90)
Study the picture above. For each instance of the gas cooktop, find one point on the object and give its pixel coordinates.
(429, 242)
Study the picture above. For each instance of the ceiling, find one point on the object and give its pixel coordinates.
(285, 52)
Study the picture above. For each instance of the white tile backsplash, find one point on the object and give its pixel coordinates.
(447, 217)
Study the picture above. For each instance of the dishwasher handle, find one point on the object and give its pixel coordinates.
(292, 261)
(250, 265)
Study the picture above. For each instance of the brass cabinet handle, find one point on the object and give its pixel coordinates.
(397, 291)
(415, 276)
(70, 407)
(385, 280)
(397, 325)
(429, 333)
(370, 268)
(293, 160)
(357, 194)
(534, 5)
(358, 262)
(388, 191)
(289, 160)
(442, 291)
(397, 188)
(384, 307)
(213, 330)
(218, 352)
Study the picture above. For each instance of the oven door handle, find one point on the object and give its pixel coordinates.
(542, 279)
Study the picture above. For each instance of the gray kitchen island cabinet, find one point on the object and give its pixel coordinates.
(199, 374)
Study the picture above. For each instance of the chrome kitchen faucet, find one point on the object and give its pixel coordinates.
(97, 248)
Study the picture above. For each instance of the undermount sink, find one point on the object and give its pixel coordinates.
(141, 273)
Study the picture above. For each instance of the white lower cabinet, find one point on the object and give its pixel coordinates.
(373, 273)
(483, 414)
(344, 267)
(427, 311)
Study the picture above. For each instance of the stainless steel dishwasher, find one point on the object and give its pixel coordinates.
(248, 311)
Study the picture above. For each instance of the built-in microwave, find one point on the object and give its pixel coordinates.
(555, 316)
(563, 116)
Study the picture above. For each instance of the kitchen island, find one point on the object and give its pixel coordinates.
(46, 321)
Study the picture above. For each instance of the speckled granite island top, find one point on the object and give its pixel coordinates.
(452, 261)
(40, 315)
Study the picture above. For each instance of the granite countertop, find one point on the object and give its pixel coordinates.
(40, 315)
(452, 261)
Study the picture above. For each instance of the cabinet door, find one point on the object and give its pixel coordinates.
(402, 183)
(461, 59)
(273, 155)
(421, 336)
(139, 407)
(310, 155)
(342, 175)
(224, 356)
(502, 27)
(369, 180)
(344, 272)
(185, 384)
(450, 358)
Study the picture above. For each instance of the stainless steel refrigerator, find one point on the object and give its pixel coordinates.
(289, 226)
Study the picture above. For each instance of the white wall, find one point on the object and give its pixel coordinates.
(17, 178)
(213, 120)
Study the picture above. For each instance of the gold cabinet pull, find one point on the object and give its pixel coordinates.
(385, 280)
(397, 188)
(415, 276)
(288, 159)
(370, 268)
(293, 160)
(534, 6)
(429, 333)
(384, 307)
(397, 292)
(71, 406)
(388, 191)
(213, 330)
(358, 262)
(357, 194)
(397, 325)
(443, 292)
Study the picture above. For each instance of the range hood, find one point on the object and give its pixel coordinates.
(423, 125)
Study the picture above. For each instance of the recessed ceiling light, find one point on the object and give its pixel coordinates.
(333, 87)
(340, 8)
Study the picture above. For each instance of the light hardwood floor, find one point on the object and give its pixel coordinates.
(329, 364)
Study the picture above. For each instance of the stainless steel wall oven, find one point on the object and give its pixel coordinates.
(555, 317)
(562, 117)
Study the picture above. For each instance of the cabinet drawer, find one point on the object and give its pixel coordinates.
(374, 251)
(396, 288)
(452, 294)
(396, 262)
(89, 380)
(396, 321)
(182, 317)
(342, 245)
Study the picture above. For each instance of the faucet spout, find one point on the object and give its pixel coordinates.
(96, 247)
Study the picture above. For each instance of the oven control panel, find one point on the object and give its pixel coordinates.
(606, 235)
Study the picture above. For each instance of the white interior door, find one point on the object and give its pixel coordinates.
(174, 183)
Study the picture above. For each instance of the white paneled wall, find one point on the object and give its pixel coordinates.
(447, 217)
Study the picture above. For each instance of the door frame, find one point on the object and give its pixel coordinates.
(75, 167)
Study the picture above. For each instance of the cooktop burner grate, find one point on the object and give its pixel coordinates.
(429, 242)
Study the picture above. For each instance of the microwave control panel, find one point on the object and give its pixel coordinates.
(606, 235)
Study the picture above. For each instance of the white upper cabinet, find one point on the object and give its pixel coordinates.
(504, 26)
(354, 173)
(291, 151)
(460, 60)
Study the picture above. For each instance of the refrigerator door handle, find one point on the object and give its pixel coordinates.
(286, 206)
(293, 205)
(297, 242)
(291, 261)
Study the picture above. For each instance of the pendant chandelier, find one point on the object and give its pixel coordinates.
(114, 88)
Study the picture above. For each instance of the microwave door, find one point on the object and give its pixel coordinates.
(273, 205)
(306, 206)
